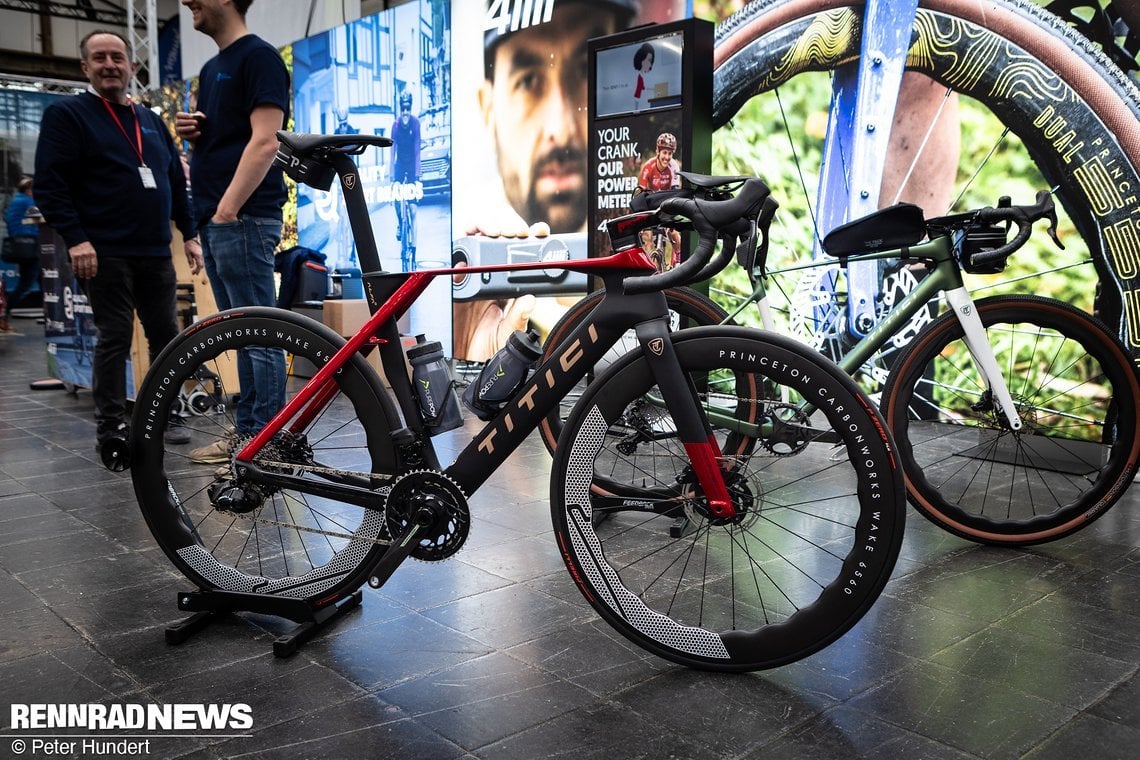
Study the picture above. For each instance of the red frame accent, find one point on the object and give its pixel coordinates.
(628, 258)
(316, 393)
(705, 457)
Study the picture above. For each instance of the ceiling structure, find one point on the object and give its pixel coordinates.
(39, 59)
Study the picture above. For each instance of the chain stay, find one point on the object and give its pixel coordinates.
(298, 469)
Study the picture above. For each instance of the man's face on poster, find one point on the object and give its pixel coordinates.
(535, 107)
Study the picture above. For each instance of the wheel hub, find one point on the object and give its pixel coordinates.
(740, 490)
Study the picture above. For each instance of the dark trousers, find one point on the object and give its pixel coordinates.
(29, 269)
(122, 287)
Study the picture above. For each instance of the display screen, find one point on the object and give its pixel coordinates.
(640, 76)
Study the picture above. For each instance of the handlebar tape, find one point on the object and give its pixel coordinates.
(711, 219)
(1023, 217)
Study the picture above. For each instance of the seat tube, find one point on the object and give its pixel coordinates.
(681, 401)
(982, 352)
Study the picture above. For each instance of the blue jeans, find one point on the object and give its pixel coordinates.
(239, 263)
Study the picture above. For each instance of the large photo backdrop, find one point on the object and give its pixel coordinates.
(520, 104)
(386, 74)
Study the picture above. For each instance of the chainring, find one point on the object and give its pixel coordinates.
(444, 497)
(790, 429)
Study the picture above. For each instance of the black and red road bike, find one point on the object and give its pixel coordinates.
(732, 547)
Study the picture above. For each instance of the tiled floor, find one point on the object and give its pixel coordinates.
(971, 651)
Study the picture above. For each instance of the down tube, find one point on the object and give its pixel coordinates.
(550, 383)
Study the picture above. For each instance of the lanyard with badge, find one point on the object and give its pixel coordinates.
(145, 173)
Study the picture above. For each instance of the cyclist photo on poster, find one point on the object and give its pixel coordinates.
(406, 186)
(661, 172)
(522, 180)
(640, 153)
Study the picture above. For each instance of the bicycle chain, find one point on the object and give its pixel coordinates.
(293, 526)
(298, 469)
(331, 533)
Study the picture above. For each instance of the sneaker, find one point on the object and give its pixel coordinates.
(176, 430)
(112, 447)
(108, 431)
(217, 452)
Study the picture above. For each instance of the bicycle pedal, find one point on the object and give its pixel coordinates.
(115, 454)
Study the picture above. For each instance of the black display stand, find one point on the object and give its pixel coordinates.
(674, 96)
(209, 606)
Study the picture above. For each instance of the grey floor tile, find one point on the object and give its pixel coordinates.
(739, 713)
(842, 733)
(1122, 703)
(600, 731)
(971, 652)
(1089, 736)
(983, 718)
(485, 700)
(1025, 662)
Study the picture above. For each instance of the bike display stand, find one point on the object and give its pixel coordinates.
(209, 606)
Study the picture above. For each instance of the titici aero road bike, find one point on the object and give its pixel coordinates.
(1016, 418)
(792, 527)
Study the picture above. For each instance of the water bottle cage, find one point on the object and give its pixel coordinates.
(486, 410)
(431, 421)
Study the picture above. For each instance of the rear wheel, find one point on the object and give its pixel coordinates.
(223, 533)
(818, 495)
(1076, 395)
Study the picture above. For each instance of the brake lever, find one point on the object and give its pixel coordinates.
(1051, 215)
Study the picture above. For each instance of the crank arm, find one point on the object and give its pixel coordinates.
(401, 548)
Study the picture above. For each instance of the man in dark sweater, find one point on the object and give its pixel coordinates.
(109, 180)
(243, 98)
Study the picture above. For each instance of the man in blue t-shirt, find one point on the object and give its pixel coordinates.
(243, 99)
(109, 181)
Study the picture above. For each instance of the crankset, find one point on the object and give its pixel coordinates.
(441, 496)
(428, 518)
(788, 429)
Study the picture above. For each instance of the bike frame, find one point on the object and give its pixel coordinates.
(389, 297)
(945, 276)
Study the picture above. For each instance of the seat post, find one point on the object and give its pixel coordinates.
(357, 207)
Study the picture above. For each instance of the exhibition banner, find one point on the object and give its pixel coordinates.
(522, 187)
(387, 74)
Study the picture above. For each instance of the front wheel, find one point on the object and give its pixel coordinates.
(230, 535)
(820, 510)
(1076, 394)
(687, 308)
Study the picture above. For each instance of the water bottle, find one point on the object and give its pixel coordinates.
(503, 375)
(434, 386)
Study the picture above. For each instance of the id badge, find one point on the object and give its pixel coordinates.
(147, 177)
